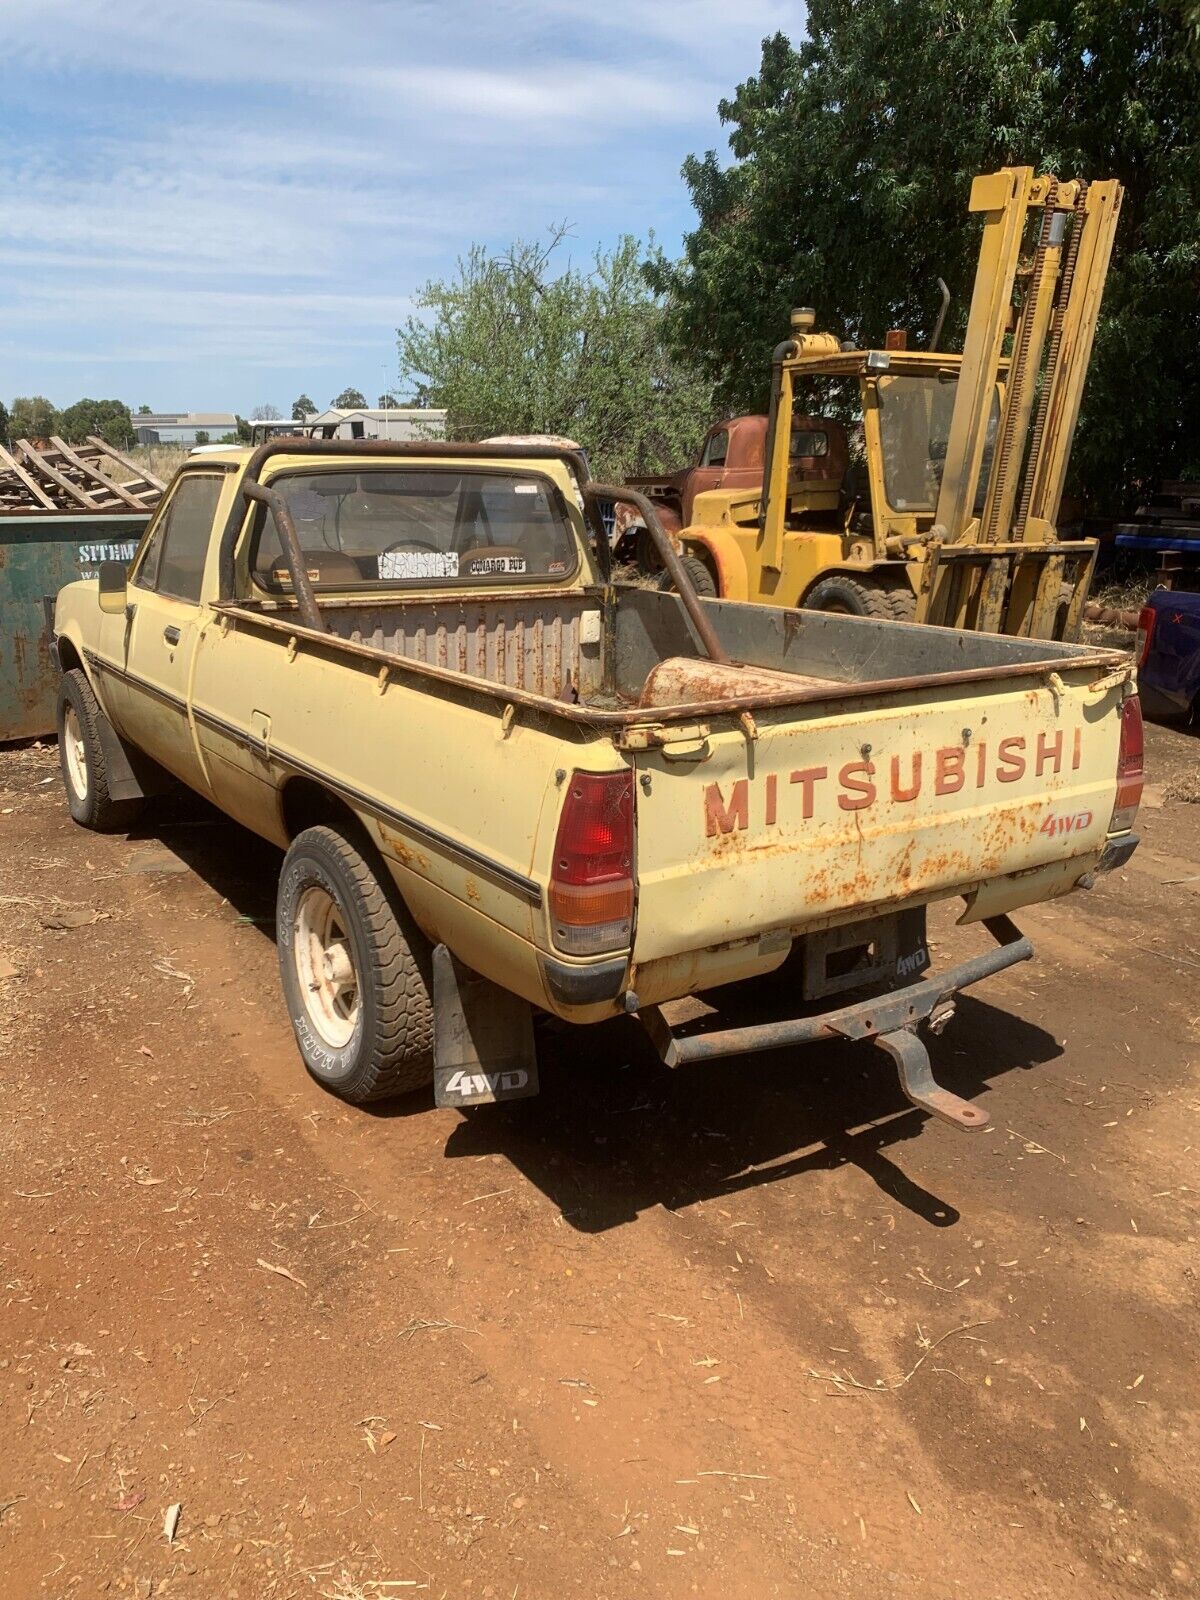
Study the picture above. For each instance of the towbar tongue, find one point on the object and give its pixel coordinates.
(923, 1089)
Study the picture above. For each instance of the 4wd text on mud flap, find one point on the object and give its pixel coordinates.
(899, 781)
(496, 1083)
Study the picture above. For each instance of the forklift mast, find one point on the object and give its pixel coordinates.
(1051, 347)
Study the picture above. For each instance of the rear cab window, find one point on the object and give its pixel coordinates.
(390, 527)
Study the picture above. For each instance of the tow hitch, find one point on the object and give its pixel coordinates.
(890, 1019)
(922, 1088)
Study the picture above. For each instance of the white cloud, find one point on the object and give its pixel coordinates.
(268, 182)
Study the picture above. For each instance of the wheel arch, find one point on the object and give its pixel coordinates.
(723, 558)
(307, 803)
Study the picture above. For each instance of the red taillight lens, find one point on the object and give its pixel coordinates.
(1147, 617)
(591, 880)
(1130, 767)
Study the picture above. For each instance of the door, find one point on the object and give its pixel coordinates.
(162, 619)
(710, 473)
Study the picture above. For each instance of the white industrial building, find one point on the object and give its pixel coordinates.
(400, 423)
(181, 427)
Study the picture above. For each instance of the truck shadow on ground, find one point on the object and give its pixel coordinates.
(616, 1132)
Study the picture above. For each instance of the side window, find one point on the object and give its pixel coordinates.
(716, 450)
(174, 559)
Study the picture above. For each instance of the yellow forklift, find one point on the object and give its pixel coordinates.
(925, 486)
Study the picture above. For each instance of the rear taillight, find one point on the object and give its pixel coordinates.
(1147, 617)
(1129, 767)
(591, 879)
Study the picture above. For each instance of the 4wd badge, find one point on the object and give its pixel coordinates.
(466, 1086)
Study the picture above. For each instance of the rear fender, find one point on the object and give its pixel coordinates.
(719, 551)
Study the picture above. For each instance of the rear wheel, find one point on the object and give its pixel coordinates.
(702, 579)
(356, 970)
(868, 597)
(84, 764)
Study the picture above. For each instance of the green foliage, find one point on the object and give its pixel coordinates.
(145, 411)
(510, 346)
(302, 408)
(202, 436)
(4, 422)
(243, 430)
(350, 400)
(389, 402)
(230, 438)
(853, 160)
(108, 418)
(32, 417)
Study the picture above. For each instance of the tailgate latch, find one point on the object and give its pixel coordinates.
(677, 741)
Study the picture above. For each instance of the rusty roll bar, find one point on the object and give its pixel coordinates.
(705, 631)
(306, 603)
(429, 450)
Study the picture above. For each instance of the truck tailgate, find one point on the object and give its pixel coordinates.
(833, 810)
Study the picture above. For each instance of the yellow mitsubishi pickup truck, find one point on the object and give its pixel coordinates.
(506, 786)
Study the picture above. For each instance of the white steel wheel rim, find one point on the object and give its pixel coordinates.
(75, 751)
(324, 957)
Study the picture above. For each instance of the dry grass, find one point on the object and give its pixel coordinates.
(1185, 787)
(160, 460)
(1128, 593)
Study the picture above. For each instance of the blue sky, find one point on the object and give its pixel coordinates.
(218, 205)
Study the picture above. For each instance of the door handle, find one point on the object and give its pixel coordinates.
(171, 635)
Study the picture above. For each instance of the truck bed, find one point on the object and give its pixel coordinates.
(606, 660)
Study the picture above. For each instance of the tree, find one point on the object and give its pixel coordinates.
(389, 402)
(145, 411)
(512, 346)
(4, 423)
(33, 417)
(201, 436)
(302, 409)
(108, 418)
(243, 429)
(265, 414)
(853, 156)
(350, 400)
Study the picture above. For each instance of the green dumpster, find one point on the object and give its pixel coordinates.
(38, 554)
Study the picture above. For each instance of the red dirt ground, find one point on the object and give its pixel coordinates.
(751, 1329)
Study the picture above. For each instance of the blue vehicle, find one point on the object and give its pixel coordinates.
(1169, 653)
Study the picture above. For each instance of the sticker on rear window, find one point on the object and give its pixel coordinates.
(408, 564)
(526, 488)
(495, 566)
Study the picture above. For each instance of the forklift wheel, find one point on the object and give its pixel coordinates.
(702, 578)
(891, 602)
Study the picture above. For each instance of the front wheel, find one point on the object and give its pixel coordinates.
(702, 579)
(868, 597)
(83, 761)
(356, 970)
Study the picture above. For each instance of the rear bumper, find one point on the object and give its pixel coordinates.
(883, 1014)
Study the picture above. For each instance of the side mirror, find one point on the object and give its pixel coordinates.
(113, 577)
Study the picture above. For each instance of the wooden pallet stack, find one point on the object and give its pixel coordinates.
(56, 478)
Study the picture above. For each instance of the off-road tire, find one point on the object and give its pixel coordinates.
(90, 803)
(888, 601)
(391, 1049)
(702, 579)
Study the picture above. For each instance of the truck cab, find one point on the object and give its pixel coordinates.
(730, 460)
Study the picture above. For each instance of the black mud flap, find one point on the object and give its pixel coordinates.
(484, 1048)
